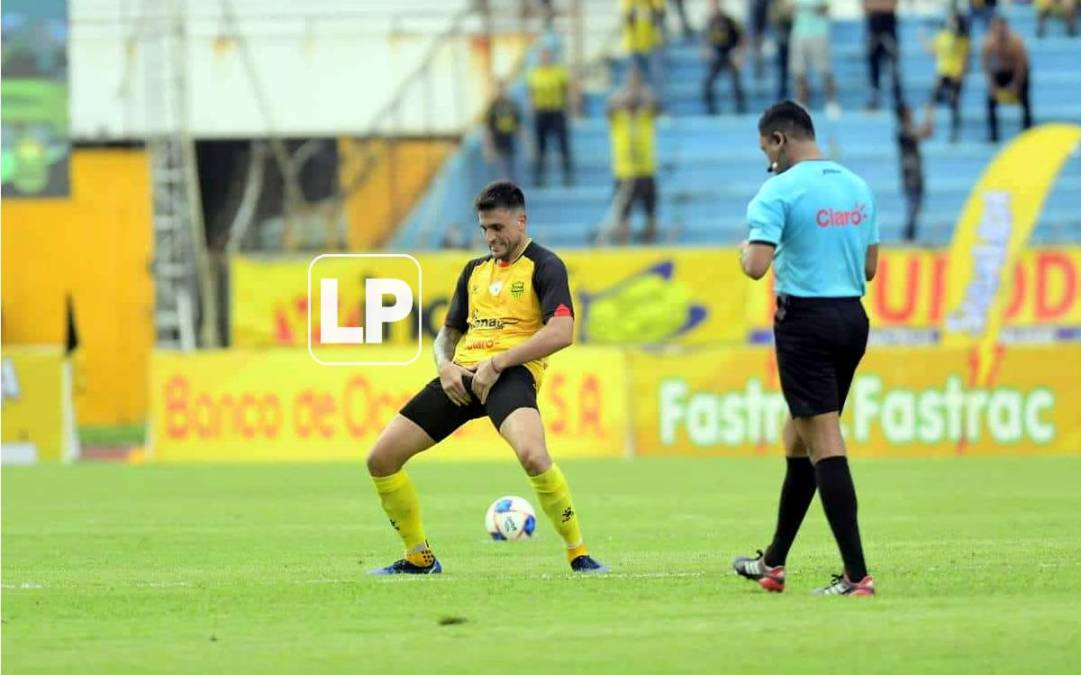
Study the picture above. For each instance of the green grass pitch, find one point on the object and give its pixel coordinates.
(259, 569)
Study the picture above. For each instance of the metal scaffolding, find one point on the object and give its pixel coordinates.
(185, 305)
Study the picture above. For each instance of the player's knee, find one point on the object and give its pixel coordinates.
(380, 462)
(534, 459)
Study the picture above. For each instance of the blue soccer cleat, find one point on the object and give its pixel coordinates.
(403, 566)
(584, 564)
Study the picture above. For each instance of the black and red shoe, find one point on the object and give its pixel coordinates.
(842, 585)
(756, 569)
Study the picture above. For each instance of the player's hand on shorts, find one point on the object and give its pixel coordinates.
(450, 377)
(483, 380)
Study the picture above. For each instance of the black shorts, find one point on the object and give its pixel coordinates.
(433, 411)
(642, 189)
(947, 90)
(820, 341)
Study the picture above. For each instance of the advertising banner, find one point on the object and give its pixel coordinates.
(36, 138)
(675, 296)
(39, 421)
(645, 296)
(909, 292)
(266, 405)
(994, 229)
(904, 402)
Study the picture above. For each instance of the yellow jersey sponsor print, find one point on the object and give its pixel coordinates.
(499, 305)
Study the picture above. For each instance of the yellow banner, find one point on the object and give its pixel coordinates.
(39, 421)
(675, 296)
(904, 402)
(265, 405)
(621, 297)
(993, 229)
(910, 290)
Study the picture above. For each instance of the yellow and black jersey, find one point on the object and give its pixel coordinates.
(498, 305)
(504, 121)
(951, 51)
(548, 88)
(723, 33)
(642, 31)
(634, 143)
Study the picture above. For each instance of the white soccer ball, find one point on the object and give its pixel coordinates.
(510, 519)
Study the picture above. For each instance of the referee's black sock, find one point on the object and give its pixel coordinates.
(839, 502)
(797, 491)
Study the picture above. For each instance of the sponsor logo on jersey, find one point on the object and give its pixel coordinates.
(855, 216)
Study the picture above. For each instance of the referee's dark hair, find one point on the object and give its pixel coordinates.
(501, 194)
(789, 118)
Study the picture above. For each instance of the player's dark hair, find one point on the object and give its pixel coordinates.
(789, 118)
(501, 194)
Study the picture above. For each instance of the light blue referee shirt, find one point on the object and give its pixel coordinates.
(822, 218)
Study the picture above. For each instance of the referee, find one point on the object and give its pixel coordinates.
(816, 222)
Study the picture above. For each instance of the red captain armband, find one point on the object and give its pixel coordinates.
(562, 310)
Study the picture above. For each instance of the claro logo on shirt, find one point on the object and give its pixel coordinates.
(856, 216)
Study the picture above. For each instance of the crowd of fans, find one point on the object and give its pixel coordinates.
(797, 33)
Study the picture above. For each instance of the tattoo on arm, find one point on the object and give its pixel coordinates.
(445, 344)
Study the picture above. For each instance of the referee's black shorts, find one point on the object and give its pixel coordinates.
(433, 411)
(820, 341)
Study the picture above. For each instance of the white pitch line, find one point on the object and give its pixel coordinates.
(34, 586)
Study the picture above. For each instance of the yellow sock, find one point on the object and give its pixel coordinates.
(400, 502)
(555, 498)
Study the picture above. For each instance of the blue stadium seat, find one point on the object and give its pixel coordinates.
(709, 167)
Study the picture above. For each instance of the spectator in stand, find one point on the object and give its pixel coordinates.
(983, 10)
(723, 51)
(810, 50)
(550, 37)
(1006, 65)
(758, 21)
(454, 238)
(882, 44)
(549, 97)
(685, 25)
(503, 124)
(780, 21)
(632, 112)
(951, 49)
(1045, 9)
(909, 137)
(643, 37)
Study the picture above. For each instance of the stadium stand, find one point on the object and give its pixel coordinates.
(711, 166)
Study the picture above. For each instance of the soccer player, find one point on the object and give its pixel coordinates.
(815, 221)
(511, 310)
